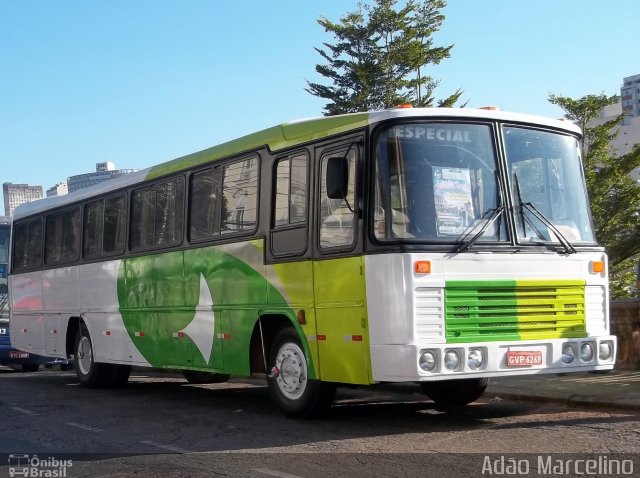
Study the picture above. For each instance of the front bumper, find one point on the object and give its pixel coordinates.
(401, 363)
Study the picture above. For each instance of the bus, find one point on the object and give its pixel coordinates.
(9, 356)
(437, 246)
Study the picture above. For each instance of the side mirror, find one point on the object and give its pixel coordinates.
(337, 178)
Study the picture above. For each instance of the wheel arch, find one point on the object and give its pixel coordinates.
(271, 323)
(73, 326)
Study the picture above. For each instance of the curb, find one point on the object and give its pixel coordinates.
(566, 401)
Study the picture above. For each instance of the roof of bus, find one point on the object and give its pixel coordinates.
(284, 136)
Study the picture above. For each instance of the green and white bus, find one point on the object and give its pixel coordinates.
(437, 246)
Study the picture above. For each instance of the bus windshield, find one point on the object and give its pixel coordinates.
(547, 187)
(437, 182)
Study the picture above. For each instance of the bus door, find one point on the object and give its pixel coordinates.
(338, 271)
(288, 248)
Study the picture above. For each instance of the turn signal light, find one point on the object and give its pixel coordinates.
(597, 267)
(422, 267)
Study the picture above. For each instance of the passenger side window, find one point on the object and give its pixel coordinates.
(239, 196)
(114, 225)
(93, 214)
(104, 227)
(169, 212)
(204, 216)
(224, 200)
(62, 239)
(27, 240)
(291, 191)
(157, 215)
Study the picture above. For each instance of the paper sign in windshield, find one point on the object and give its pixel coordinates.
(454, 204)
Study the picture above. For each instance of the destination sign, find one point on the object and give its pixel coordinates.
(412, 131)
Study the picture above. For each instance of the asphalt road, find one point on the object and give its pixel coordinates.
(161, 426)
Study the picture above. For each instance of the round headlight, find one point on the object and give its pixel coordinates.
(605, 351)
(428, 361)
(475, 359)
(451, 360)
(586, 352)
(568, 354)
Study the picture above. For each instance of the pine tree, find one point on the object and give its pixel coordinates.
(614, 195)
(379, 57)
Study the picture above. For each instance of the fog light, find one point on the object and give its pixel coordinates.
(568, 354)
(605, 350)
(475, 359)
(428, 361)
(586, 352)
(451, 360)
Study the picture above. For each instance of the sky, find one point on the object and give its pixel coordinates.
(142, 82)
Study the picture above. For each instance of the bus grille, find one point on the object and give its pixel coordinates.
(522, 310)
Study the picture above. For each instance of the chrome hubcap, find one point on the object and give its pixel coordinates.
(84, 360)
(292, 366)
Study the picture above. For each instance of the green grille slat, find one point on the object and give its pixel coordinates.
(481, 311)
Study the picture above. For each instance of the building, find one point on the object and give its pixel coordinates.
(104, 171)
(629, 130)
(630, 96)
(59, 189)
(16, 194)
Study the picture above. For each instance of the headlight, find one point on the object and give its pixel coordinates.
(586, 352)
(568, 354)
(605, 350)
(475, 359)
(451, 360)
(428, 361)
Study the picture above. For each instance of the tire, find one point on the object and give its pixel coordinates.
(30, 367)
(90, 373)
(455, 393)
(195, 377)
(290, 388)
(119, 375)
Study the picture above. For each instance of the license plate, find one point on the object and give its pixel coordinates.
(524, 358)
(16, 354)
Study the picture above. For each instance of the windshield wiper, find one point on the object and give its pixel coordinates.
(569, 249)
(495, 214)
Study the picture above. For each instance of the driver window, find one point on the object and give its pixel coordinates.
(337, 216)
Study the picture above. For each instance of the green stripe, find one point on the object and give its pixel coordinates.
(276, 138)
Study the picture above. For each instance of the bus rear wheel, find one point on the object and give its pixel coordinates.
(455, 393)
(289, 383)
(90, 373)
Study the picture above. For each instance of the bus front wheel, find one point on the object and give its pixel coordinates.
(455, 393)
(289, 383)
